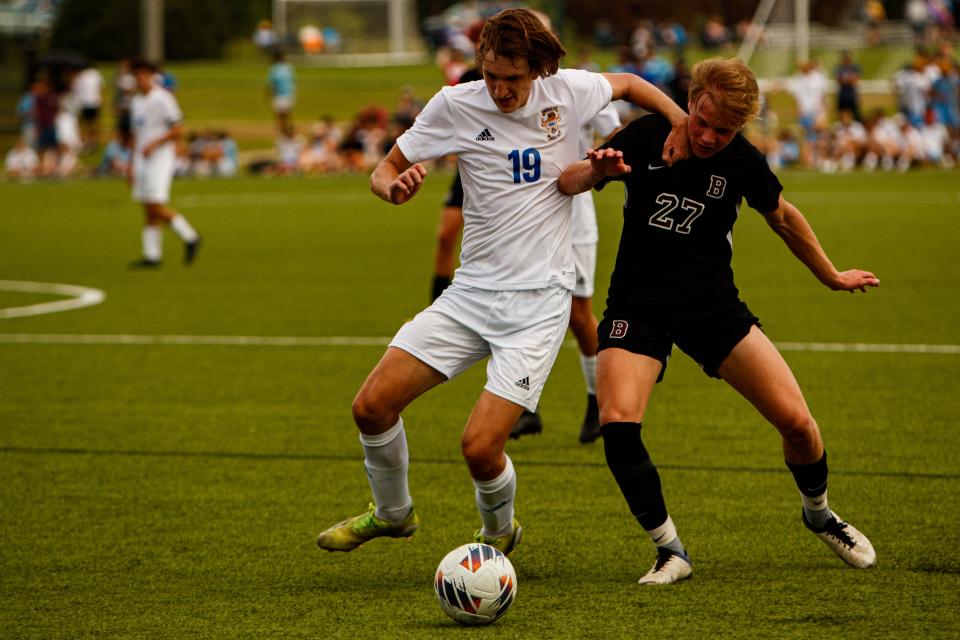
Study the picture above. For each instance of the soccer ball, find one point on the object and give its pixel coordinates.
(475, 584)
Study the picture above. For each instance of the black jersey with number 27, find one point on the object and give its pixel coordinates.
(677, 240)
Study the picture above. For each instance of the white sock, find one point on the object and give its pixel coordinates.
(152, 238)
(183, 229)
(666, 536)
(816, 509)
(386, 459)
(495, 501)
(588, 365)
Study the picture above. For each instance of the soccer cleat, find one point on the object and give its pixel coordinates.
(190, 250)
(844, 540)
(144, 263)
(670, 567)
(529, 422)
(506, 543)
(590, 430)
(353, 532)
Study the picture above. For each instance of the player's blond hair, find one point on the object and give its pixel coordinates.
(518, 34)
(731, 85)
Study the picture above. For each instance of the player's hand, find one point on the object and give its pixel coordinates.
(855, 280)
(407, 184)
(147, 149)
(607, 162)
(677, 146)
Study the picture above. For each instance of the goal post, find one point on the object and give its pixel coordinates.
(369, 31)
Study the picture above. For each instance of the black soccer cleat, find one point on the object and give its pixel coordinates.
(144, 263)
(590, 430)
(528, 423)
(190, 250)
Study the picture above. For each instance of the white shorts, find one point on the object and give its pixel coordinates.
(521, 331)
(152, 176)
(585, 261)
(282, 104)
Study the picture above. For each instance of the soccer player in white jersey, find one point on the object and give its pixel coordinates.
(583, 322)
(513, 134)
(156, 122)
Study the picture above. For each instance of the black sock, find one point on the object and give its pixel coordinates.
(635, 472)
(811, 479)
(439, 284)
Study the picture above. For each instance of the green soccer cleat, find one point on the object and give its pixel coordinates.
(506, 543)
(353, 532)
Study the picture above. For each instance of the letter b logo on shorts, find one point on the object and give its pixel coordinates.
(618, 329)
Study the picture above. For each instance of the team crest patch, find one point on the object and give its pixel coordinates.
(550, 122)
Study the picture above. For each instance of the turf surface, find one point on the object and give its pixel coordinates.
(174, 490)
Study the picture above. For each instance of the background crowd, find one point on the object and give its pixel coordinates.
(822, 125)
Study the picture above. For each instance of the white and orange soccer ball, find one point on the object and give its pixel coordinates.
(475, 584)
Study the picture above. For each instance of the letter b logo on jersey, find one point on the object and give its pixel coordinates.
(618, 329)
(717, 186)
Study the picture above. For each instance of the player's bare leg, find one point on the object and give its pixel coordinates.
(625, 381)
(760, 374)
(397, 380)
(156, 215)
(583, 324)
(483, 442)
(444, 261)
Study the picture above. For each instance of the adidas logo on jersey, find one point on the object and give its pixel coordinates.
(523, 383)
(485, 136)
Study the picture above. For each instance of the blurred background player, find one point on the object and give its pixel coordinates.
(281, 88)
(156, 122)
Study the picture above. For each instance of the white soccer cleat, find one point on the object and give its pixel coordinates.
(846, 541)
(670, 567)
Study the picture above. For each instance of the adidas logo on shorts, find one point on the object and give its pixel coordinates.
(485, 136)
(523, 383)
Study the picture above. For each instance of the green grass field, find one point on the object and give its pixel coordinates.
(174, 490)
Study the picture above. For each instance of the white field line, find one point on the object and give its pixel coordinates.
(379, 341)
(866, 198)
(79, 297)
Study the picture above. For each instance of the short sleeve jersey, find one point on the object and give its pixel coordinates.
(281, 80)
(677, 241)
(516, 223)
(152, 115)
(585, 229)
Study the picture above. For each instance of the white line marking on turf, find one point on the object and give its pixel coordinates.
(377, 341)
(79, 297)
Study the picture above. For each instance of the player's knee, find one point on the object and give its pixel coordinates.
(797, 427)
(371, 412)
(480, 457)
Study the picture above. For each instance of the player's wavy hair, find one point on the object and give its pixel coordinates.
(518, 34)
(731, 85)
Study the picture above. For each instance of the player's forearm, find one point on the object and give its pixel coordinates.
(381, 178)
(645, 95)
(577, 178)
(799, 237)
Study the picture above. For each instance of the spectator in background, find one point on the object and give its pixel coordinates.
(936, 141)
(227, 155)
(912, 86)
(849, 141)
(875, 15)
(715, 34)
(848, 85)
(918, 15)
(21, 162)
(264, 37)
(115, 162)
(87, 86)
(24, 114)
(289, 148)
(45, 107)
(124, 88)
(69, 140)
(945, 96)
(809, 88)
(281, 87)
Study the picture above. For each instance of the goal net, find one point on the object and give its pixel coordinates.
(349, 32)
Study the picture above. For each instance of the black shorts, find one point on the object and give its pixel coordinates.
(89, 114)
(455, 194)
(708, 339)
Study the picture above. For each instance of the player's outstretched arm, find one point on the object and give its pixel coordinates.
(631, 87)
(793, 228)
(583, 175)
(395, 179)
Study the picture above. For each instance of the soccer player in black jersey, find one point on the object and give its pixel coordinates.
(673, 284)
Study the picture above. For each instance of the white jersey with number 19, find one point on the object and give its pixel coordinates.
(516, 223)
